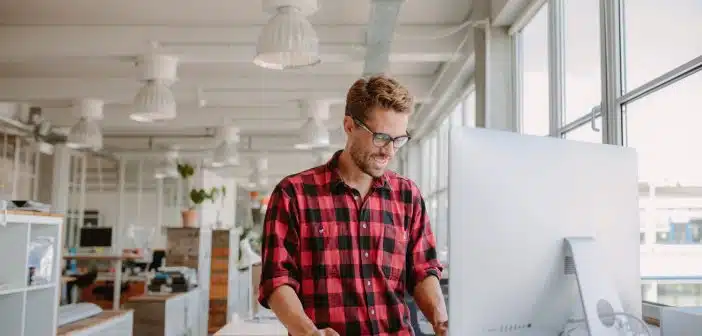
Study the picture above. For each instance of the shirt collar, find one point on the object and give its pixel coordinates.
(336, 182)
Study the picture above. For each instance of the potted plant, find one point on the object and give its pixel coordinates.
(186, 171)
(197, 197)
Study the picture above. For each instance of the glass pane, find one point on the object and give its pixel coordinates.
(469, 110)
(582, 58)
(426, 166)
(442, 227)
(664, 129)
(534, 45)
(443, 154)
(433, 162)
(457, 115)
(659, 36)
(586, 133)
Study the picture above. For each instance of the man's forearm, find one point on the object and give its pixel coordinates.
(430, 300)
(288, 308)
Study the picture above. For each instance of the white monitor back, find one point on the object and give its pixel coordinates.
(512, 200)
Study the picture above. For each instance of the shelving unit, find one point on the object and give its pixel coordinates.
(27, 310)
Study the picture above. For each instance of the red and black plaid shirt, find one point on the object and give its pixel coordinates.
(349, 260)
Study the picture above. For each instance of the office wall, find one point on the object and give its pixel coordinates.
(106, 203)
(226, 206)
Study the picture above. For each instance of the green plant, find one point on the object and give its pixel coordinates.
(220, 192)
(185, 170)
(197, 196)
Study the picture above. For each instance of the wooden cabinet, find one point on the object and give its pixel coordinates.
(173, 314)
(223, 277)
(192, 247)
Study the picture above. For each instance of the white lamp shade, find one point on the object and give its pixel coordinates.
(226, 154)
(154, 102)
(85, 134)
(313, 135)
(287, 41)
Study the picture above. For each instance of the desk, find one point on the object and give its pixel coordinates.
(117, 260)
(105, 323)
(265, 327)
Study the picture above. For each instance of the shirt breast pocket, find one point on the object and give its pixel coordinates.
(393, 252)
(320, 246)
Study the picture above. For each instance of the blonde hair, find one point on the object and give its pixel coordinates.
(377, 91)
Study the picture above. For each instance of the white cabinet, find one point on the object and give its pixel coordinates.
(175, 314)
(29, 309)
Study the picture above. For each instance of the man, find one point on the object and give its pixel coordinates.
(343, 242)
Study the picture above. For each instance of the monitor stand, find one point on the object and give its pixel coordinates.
(598, 297)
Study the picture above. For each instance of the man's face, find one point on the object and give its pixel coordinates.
(364, 147)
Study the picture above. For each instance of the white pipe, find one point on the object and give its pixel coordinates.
(81, 200)
(159, 203)
(139, 191)
(37, 173)
(16, 168)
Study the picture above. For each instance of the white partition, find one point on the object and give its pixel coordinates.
(28, 309)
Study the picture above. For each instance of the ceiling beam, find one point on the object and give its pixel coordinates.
(202, 44)
(380, 35)
(117, 116)
(217, 91)
(452, 77)
(255, 143)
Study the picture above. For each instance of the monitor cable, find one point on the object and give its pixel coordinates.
(621, 324)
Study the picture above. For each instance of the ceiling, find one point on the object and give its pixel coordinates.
(52, 52)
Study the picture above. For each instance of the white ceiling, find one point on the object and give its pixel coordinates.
(52, 52)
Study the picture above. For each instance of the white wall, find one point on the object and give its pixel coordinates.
(226, 207)
(107, 203)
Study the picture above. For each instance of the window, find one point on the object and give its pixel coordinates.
(659, 37)
(469, 110)
(582, 58)
(586, 132)
(532, 41)
(662, 126)
(457, 115)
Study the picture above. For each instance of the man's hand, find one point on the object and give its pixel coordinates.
(324, 332)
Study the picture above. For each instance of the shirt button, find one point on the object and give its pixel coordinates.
(365, 254)
(321, 230)
(372, 311)
(365, 226)
(369, 283)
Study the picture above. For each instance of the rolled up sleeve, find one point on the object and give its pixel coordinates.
(422, 258)
(279, 248)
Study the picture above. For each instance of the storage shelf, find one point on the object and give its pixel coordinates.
(12, 290)
(28, 309)
(26, 217)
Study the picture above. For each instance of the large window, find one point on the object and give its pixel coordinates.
(659, 36)
(532, 42)
(663, 125)
(582, 82)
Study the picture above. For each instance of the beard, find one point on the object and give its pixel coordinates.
(369, 162)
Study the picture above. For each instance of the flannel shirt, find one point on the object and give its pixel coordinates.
(349, 260)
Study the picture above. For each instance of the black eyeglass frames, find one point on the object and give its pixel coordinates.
(383, 139)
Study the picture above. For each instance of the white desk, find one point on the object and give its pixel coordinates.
(265, 327)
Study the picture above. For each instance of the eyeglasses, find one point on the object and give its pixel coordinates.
(383, 139)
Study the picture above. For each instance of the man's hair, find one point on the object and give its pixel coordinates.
(377, 91)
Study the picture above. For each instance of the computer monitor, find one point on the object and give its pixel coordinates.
(95, 237)
(513, 199)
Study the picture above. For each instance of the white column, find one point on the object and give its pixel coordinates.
(495, 86)
(61, 178)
